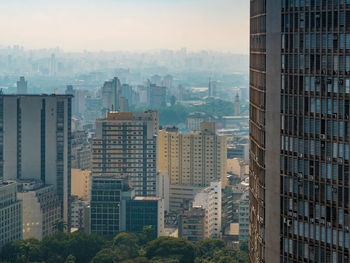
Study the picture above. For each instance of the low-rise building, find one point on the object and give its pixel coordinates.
(10, 213)
(80, 215)
(107, 193)
(192, 224)
(115, 208)
(41, 208)
(143, 212)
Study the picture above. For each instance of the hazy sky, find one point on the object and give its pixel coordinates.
(126, 24)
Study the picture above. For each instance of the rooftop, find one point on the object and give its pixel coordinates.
(146, 198)
(37, 95)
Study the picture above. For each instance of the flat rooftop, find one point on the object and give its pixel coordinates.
(147, 198)
(37, 95)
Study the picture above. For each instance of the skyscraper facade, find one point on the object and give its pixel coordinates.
(35, 141)
(126, 145)
(299, 93)
(111, 93)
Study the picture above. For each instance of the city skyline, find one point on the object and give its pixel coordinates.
(133, 26)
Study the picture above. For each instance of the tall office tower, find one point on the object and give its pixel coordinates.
(237, 105)
(53, 65)
(156, 96)
(10, 213)
(22, 86)
(299, 93)
(71, 91)
(126, 145)
(124, 104)
(212, 88)
(194, 159)
(111, 93)
(35, 141)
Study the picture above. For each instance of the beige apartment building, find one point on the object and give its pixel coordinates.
(196, 158)
(80, 182)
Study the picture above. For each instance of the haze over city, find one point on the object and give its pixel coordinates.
(126, 25)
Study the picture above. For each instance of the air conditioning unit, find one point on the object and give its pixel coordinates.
(300, 175)
(334, 115)
(300, 155)
(341, 82)
(322, 136)
(311, 178)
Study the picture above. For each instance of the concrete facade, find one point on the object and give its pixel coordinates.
(210, 199)
(126, 145)
(36, 141)
(10, 214)
(41, 209)
(195, 159)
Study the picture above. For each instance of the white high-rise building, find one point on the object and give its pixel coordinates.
(35, 141)
(210, 199)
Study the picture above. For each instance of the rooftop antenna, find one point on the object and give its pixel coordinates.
(112, 107)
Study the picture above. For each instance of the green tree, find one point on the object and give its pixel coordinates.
(243, 246)
(207, 247)
(60, 225)
(148, 234)
(70, 259)
(22, 251)
(85, 246)
(106, 255)
(170, 247)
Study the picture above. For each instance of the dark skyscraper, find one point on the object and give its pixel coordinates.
(299, 93)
